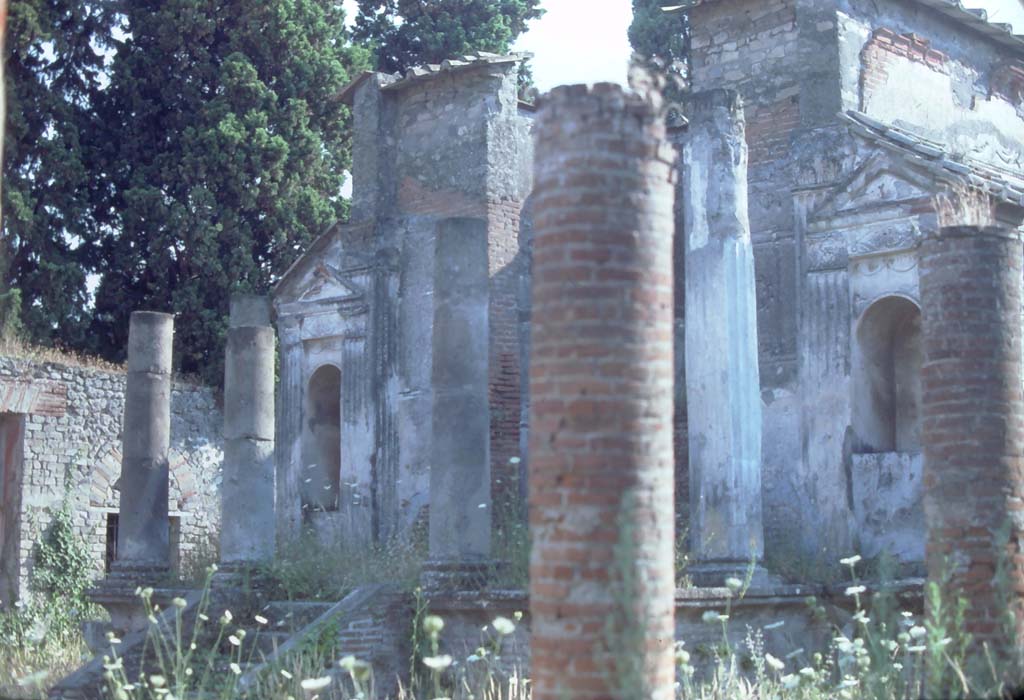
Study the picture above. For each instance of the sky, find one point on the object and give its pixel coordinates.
(584, 41)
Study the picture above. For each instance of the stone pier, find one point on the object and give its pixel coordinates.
(601, 384)
(723, 402)
(460, 472)
(973, 421)
(143, 548)
(248, 486)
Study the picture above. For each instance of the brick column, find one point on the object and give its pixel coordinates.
(600, 453)
(973, 417)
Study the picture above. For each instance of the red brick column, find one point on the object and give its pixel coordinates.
(600, 452)
(973, 417)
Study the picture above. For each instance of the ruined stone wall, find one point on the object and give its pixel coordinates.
(835, 218)
(907, 65)
(79, 449)
(776, 55)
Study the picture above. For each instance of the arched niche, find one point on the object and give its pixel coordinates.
(887, 377)
(321, 443)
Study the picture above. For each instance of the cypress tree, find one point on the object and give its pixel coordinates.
(224, 148)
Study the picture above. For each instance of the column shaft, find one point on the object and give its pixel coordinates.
(143, 527)
(973, 421)
(722, 383)
(460, 473)
(600, 453)
(248, 485)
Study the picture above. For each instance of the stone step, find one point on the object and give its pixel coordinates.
(292, 616)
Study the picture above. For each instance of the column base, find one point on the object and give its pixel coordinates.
(713, 574)
(120, 595)
(448, 575)
(141, 573)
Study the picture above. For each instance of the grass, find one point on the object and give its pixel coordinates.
(887, 655)
(14, 347)
(310, 570)
(36, 649)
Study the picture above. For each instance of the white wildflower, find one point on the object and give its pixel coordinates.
(918, 632)
(773, 663)
(235, 668)
(713, 616)
(438, 663)
(854, 590)
(287, 674)
(503, 625)
(260, 619)
(850, 561)
(432, 624)
(315, 684)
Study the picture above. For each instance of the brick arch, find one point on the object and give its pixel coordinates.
(107, 470)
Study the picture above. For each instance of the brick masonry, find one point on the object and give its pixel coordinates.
(883, 54)
(78, 449)
(601, 383)
(973, 418)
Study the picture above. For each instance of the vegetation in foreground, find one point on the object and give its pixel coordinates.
(885, 654)
(41, 640)
(881, 653)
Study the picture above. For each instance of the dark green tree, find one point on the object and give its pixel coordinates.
(661, 39)
(407, 33)
(224, 154)
(52, 72)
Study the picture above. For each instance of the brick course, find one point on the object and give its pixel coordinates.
(973, 418)
(601, 383)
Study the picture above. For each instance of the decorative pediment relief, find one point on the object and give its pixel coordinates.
(833, 250)
(327, 283)
(879, 181)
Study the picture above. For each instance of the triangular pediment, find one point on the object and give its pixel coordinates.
(328, 270)
(882, 179)
(328, 283)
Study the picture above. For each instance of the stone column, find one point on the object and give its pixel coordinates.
(248, 483)
(460, 471)
(289, 429)
(973, 421)
(600, 460)
(249, 310)
(723, 398)
(143, 548)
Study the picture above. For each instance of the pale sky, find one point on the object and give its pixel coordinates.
(584, 41)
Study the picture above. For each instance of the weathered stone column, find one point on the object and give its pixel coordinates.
(600, 460)
(249, 310)
(723, 400)
(143, 526)
(288, 449)
(460, 471)
(973, 420)
(248, 484)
